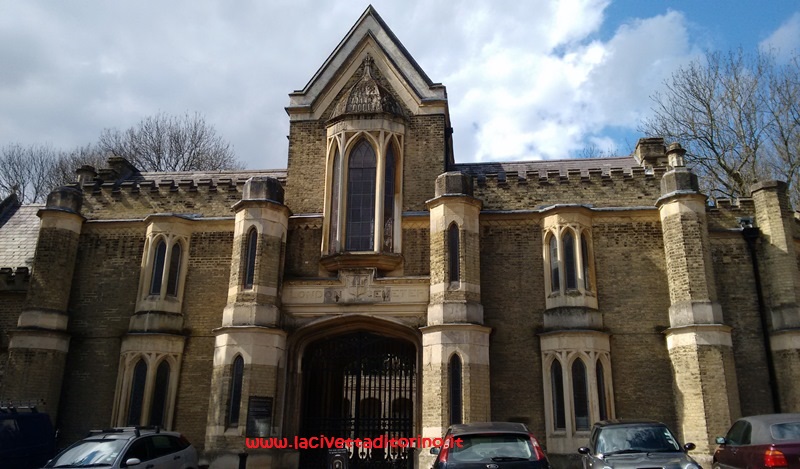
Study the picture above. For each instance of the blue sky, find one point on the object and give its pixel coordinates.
(526, 80)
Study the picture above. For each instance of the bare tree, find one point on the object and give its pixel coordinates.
(67, 162)
(737, 116)
(25, 171)
(170, 143)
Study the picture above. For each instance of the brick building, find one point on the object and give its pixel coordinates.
(378, 287)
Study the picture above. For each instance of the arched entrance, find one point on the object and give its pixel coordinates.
(360, 385)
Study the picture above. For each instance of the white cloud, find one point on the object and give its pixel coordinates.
(785, 40)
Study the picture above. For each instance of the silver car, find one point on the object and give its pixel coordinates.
(129, 448)
(635, 443)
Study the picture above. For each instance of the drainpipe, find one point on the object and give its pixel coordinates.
(751, 234)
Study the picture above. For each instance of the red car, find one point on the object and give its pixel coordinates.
(760, 441)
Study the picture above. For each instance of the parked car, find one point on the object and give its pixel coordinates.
(27, 438)
(131, 448)
(635, 443)
(758, 441)
(497, 445)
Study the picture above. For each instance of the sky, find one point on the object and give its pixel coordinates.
(526, 80)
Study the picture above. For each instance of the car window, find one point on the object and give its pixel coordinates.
(89, 452)
(9, 430)
(785, 431)
(635, 438)
(487, 448)
(140, 450)
(735, 435)
(162, 445)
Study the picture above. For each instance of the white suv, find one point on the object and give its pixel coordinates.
(129, 448)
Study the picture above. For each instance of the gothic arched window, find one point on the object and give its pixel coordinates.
(555, 276)
(160, 395)
(601, 391)
(580, 395)
(136, 398)
(250, 258)
(174, 270)
(388, 200)
(235, 394)
(360, 228)
(454, 372)
(570, 270)
(453, 252)
(557, 386)
(158, 267)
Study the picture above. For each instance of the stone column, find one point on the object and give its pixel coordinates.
(38, 347)
(700, 345)
(780, 284)
(455, 313)
(251, 325)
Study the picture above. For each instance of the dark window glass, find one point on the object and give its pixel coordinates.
(580, 395)
(557, 380)
(160, 393)
(137, 393)
(570, 273)
(161, 445)
(555, 284)
(585, 262)
(453, 251)
(361, 198)
(455, 389)
(158, 268)
(140, 449)
(237, 374)
(250, 258)
(337, 172)
(735, 435)
(174, 270)
(388, 201)
(601, 391)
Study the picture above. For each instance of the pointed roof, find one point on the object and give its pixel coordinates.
(369, 36)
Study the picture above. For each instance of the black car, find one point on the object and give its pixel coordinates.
(496, 445)
(635, 443)
(27, 438)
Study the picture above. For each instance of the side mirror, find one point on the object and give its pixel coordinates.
(689, 446)
(435, 451)
(583, 450)
(132, 462)
(721, 440)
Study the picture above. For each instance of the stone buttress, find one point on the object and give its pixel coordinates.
(38, 346)
(699, 343)
(251, 332)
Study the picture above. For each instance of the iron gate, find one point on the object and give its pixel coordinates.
(360, 385)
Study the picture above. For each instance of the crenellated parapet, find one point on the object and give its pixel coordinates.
(727, 214)
(211, 194)
(602, 182)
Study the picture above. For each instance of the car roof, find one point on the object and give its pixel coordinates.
(126, 433)
(628, 423)
(760, 432)
(488, 427)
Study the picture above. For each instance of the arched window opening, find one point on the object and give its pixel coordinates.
(235, 394)
(136, 399)
(570, 272)
(333, 245)
(557, 380)
(250, 258)
(453, 252)
(160, 391)
(174, 270)
(601, 391)
(555, 284)
(158, 268)
(580, 395)
(388, 201)
(360, 229)
(454, 373)
(585, 262)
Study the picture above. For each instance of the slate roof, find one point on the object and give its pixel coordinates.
(626, 163)
(19, 232)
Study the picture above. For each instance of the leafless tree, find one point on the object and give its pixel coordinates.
(737, 116)
(171, 143)
(26, 170)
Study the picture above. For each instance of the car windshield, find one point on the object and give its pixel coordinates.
(89, 453)
(492, 447)
(785, 431)
(637, 439)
